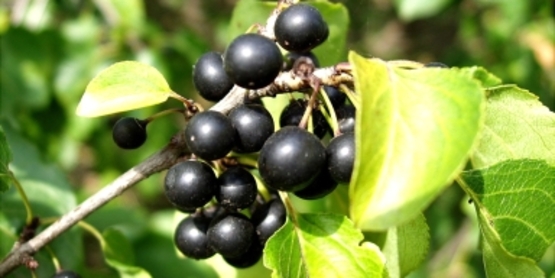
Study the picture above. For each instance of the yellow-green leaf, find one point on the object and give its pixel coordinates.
(414, 132)
(322, 245)
(122, 87)
(517, 126)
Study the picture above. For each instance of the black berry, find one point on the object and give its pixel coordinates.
(209, 77)
(237, 189)
(66, 274)
(253, 125)
(268, 218)
(300, 28)
(346, 118)
(249, 258)
(290, 159)
(129, 133)
(191, 239)
(190, 184)
(321, 186)
(337, 98)
(210, 135)
(252, 61)
(231, 234)
(293, 113)
(341, 157)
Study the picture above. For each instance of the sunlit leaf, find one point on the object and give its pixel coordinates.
(516, 199)
(321, 245)
(517, 126)
(414, 132)
(119, 254)
(406, 247)
(5, 159)
(486, 78)
(121, 87)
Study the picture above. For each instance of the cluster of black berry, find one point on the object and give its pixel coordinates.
(291, 159)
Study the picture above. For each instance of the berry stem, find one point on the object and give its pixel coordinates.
(55, 260)
(331, 117)
(26, 203)
(164, 113)
(262, 190)
(247, 160)
(309, 105)
(288, 206)
(353, 98)
(93, 231)
(191, 106)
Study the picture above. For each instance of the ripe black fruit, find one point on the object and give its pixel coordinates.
(341, 157)
(253, 125)
(209, 77)
(190, 184)
(290, 159)
(346, 118)
(191, 239)
(231, 234)
(252, 61)
(268, 218)
(250, 258)
(210, 135)
(337, 98)
(129, 133)
(237, 189)
(293, 113)
(321, 186)
(300, 28)
(66, 274)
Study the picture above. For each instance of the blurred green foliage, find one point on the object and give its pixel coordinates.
(50, 50)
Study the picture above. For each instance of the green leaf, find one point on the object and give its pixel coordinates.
(498, 263)
(247, 13)
(50, 195)
(409, 10)
(334, 49)
(5, 159)
(321, 245)
(121, 87)
(119, 254)
(516, 199)
(406, 247)
(517, 126)
(414, 132)
(486, 78)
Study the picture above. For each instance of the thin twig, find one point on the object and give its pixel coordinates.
(156, 163)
